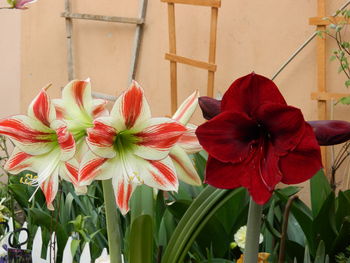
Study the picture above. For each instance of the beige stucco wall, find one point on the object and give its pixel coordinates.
(252, 36)
(9, 62)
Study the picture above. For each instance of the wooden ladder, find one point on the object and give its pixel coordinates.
(210, 66)
(139, 22)
(322, 95)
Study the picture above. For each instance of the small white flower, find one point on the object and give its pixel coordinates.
(240, 237)
(103, 259)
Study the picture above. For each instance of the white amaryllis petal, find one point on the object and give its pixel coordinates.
(19, 161)
(29, 134)
(187, 108)
(65, 139)
(60, 108)
(42, 109)
(93, 167)
(157, 174)
(81, 148)
(78, 101)
(189, 141)
(123, 189)
(99, 108)
(101, 137)
(185, 169)
(69, 171)
(131, 107)
(157, 138)
(50, 188)
(46, 164)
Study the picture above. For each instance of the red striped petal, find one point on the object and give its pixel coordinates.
(123, 190)
(73, 171)
(132, 104)
(78, 88)
(101, 134)
(186, 109)
(49, 188)
(189, 141)
(65, 140)
(17, 163)
(161, 136)
(91, 169)
(41, 108)
(163, 175)
(101, 137)
(59, 108)
(99, 108)
(18, 130)
(184, 167)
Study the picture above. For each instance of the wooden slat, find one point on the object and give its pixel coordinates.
(327, 96)
(212, 50)
(321, 74)
(191, 62)
(116, 19)
(172, 49)
(137, 41)
(321, 21)
(212, 3)
(69, 36)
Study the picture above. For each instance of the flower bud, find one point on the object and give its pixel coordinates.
(331, 132)
(210, 107)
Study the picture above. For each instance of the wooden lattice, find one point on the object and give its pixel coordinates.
(210, 66)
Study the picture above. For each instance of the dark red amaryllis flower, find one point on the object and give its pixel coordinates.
(257, 140)
(328, 132)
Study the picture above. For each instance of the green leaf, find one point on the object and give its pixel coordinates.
(319, 189)
(200, 163)
(290, 190)
(269, 239)
(303, 215)
(45, 220)
(202, 209)
(324, 223)
(342, 240)
(294, 250)
(272, 230)
(307, 258)
(141, 249)
(320, 253)
(74, 246)
(294, 231)
(343, 208)
(345, 100)
(216, 260)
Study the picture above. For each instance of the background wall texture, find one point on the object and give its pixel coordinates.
(252, 36)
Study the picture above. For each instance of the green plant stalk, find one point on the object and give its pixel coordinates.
(251, 249)
(112, 220)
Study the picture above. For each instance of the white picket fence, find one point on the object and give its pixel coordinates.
(51, 253)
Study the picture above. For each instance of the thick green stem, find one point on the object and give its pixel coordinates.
(113, 231)
(251, 249)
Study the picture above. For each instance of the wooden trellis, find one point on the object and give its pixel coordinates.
(322, 95)
(210, 66)
(139, 21)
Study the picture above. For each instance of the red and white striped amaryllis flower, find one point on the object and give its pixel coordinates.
(131, 148)
(78, 109)
(43, 145)
(20, 4)
(187, 144)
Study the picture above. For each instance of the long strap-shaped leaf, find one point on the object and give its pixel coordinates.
(195, 218)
